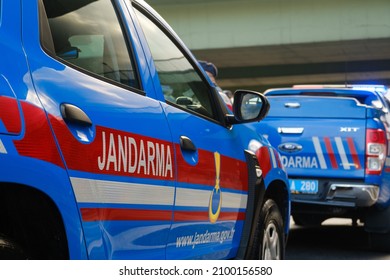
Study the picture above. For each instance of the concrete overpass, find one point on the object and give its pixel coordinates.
(258, 44)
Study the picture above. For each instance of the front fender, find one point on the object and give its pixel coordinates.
(271, 166)
(275, 180)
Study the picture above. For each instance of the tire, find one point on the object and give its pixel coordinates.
(379, 242)
(9, 250)
(271, 232)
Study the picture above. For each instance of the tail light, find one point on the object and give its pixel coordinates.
(375, 151)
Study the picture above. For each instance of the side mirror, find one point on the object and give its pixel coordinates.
(248, 106)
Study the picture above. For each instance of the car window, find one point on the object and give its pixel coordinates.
(181, 84)
(88, 34)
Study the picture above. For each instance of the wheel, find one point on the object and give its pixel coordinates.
(308, 220)
(379, 242)
(10, 250)
(271, 232)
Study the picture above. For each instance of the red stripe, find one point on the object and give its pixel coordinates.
(233, 172)
(38, 141)
(330, 152)
(115, 214)
(9, 114)
(183, 216)
(264, 158)
(84, 157)
(354, 154)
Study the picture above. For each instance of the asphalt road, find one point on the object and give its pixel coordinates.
(336, 239)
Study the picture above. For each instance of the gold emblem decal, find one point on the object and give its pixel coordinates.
(216, 195)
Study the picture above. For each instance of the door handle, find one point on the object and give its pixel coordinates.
(187, 144)
(75, 115)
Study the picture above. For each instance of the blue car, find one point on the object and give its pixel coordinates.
(334, 143)
(115, 145)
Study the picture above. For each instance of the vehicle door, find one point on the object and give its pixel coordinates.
(211, 190)
(113, 134)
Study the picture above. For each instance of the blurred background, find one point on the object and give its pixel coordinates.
(260, 44)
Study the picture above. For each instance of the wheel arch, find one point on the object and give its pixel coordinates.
(278, 191)
(31, 219)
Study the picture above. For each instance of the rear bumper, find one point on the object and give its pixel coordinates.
(342, 194)
(360, 195)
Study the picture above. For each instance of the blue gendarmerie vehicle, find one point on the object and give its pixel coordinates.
(334, 143)
(115, 145)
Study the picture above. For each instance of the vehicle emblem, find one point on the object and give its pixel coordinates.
(292, 105)
(290, 147)
(216, 195)
(349, 129)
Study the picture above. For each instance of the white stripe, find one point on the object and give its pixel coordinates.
(2, 148)
(99, 191)
(199, 198)
(320, 155)
(340, 148)
(273, 159)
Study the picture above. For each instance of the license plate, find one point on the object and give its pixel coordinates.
(298, 186)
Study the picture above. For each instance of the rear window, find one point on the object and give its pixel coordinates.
(89, 35)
